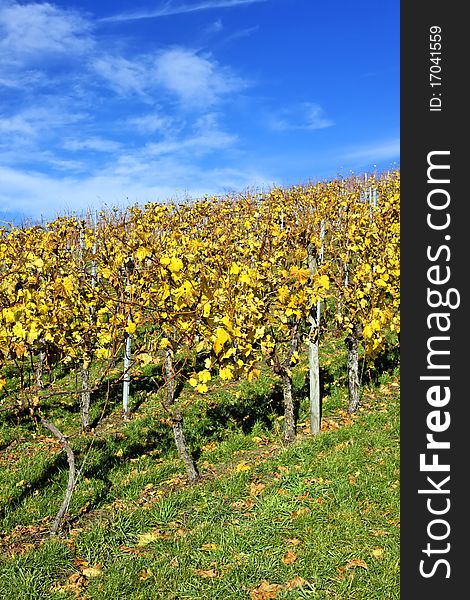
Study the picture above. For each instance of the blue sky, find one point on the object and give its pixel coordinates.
(108, 103)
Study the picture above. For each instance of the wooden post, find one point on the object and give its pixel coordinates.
(313, 360)
(127, 377)
(85, 397)
(129, 268)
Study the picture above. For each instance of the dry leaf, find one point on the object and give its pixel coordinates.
(303, 510)
(265, 591)
(261, 441)
(294, 541)
(248, 503)
(95, 571)
(289, 557)
(75, 585)
(378, 552)
(76, 579)
(209, 547)
(209, 446)
(356, 562)
(80, 562)
(295, 582)
(145, 574)
(242, 466)
(256, 488)
(150, 536)
(209, 573)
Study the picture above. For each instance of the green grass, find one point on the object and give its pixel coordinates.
(319, 519)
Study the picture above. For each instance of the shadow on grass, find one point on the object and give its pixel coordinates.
(58, 463)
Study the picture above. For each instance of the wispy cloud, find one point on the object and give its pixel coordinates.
(206, 137)
(95, 144)
(215, 27)
(307, 116)
(194, 79)
(376, 151)
(37, 122)
(31, 31)
(128, 181)
(241, 33)
(152, 123)
(123, 75)
(169, 8)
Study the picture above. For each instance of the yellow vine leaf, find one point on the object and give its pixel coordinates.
(221, 336)
(176, 264)
(226, 373)
(131, 327)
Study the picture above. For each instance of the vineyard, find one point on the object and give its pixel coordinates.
(175, 302)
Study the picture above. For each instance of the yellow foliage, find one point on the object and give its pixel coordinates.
(221, 336)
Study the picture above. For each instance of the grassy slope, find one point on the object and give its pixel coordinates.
(318, 519)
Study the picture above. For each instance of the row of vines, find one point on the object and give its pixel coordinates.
(222, 285)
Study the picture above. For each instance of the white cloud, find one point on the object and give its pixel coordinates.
(306, 115)
(205, 139)
(34, 125)
(17, 124)
(30, 31)
(152, 123)
(130, 182)
(195, 80)
(124, 76)
(376, 151)
(241, 33)
(93, 143)
(214, 27)
(169, 8)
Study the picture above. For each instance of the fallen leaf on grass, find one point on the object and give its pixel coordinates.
(303, 510)
(328, 424)
(149, 537)
(209, 446)
(256, 488)
(294, 541)
(356, 562)
(95, 571)
(80, 562)
(209, 547)
(265, 591)
(132, 550)
(145, 574)
(208, 573)
(261, 441)
(248, 503)
(295, 582)
(378, 552)
(289, 557)
(76, 584)
(242, 466)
